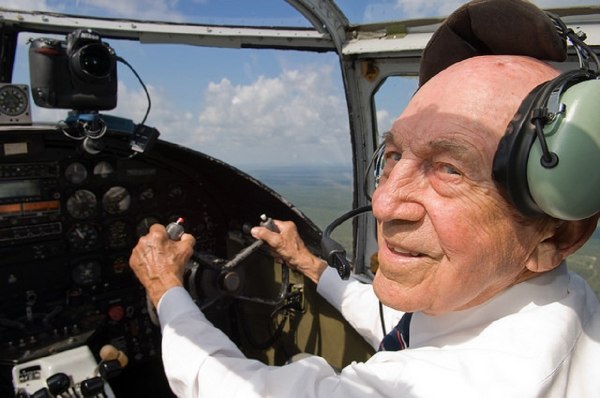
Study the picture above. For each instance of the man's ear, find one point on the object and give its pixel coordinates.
(566, 238)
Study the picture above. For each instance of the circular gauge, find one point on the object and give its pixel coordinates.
(87, 272)
(76, 173)
(82, 204)
(116, 200)
(117, 235)
(13, 100)
(144, 225)
(83, 237)
(176, 194)
(120, 265)
(103, 169)
(147, 197)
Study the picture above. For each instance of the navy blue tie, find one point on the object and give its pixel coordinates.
(397, 338)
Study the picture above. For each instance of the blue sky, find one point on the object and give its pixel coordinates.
(249, 108)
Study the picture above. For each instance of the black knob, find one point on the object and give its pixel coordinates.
(230, 281)
(92, 387)
(109, 369)
(58, 383)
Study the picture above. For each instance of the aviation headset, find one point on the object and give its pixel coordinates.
(548, 162)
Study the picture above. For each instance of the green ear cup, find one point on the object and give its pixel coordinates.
(571, 189)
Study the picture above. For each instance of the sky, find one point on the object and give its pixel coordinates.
(250, 108)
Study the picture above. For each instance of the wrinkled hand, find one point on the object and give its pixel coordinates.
(159, 262)
(289, 247)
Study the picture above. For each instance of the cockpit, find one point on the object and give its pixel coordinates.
(113, 123)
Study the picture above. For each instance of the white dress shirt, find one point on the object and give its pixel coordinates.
(540, 338)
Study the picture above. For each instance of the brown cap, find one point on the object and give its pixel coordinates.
(492, 27)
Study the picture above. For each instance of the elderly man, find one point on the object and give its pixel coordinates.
(495, 311)
(480, 292)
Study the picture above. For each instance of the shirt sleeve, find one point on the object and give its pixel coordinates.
(201, 361)
(358, 304)
(459, 355)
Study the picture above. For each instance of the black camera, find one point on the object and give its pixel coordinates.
(79, 73)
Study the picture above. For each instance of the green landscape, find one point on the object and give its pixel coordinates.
(585, 262)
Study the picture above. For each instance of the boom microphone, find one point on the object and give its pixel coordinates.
(332, 251)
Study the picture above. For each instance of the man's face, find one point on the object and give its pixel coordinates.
(447, 239)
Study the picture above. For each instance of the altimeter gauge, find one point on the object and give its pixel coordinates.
(13, 100)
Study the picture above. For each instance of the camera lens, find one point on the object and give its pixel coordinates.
(95, 60)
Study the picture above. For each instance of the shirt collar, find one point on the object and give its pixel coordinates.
(455, 327)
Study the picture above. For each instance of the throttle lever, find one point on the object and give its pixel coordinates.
(175, 229)
(242, 255)
(227, 278)
(268, 223)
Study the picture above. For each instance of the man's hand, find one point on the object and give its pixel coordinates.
(159, 262)
(290, 248)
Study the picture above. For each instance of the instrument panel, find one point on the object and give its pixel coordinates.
(69, 220)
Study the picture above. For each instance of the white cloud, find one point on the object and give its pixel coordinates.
(296, 117)
(38, 5)
(384, 120)
(145, 9)
(421, 9)
(298, 114)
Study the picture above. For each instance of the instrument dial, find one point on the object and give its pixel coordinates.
(103, 169)
(87, 273)
(120, 265)
(176, 194)
(82, 204)
(116, 200)
(117, 235)
(82, 237)
(147, 197)
(76, 173)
